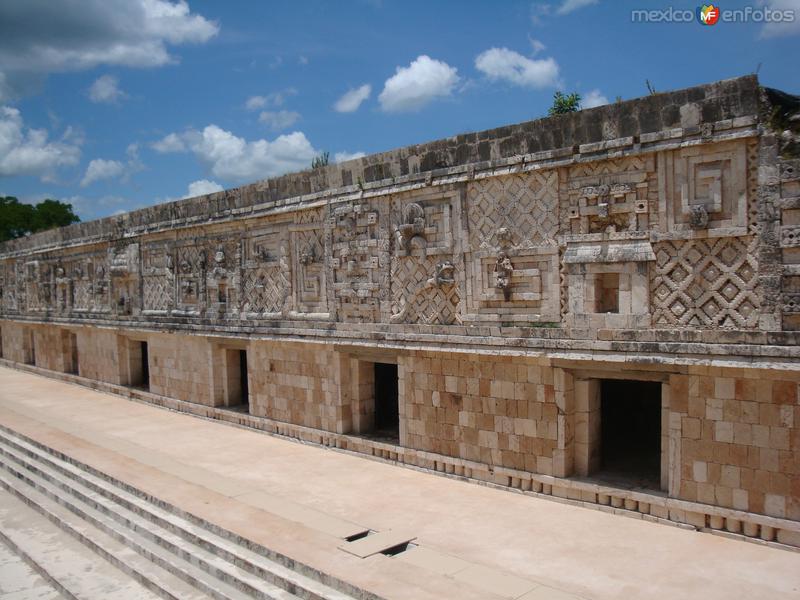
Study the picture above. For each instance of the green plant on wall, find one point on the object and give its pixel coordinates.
(565, 103)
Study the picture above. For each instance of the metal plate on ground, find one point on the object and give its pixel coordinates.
(379, 542)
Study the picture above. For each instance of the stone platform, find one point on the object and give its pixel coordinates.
(467, 540)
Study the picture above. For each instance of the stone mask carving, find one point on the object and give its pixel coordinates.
(308, 256)
(503, 269)
(412, 230)
(444, 275)
(698, 217)
(504, 236)
(219, 256)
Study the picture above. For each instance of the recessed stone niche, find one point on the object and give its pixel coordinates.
(608, 283)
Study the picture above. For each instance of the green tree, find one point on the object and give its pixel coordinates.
(321, 161)
(565, 103)
(18, 219)
(52, 213)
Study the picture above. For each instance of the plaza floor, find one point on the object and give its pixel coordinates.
(472, 541)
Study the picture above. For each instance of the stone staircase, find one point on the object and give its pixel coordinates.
(171, 553)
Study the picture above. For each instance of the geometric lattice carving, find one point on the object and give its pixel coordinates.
(525, 205)
(706, 283)
(418, 298)
(157, 277)
(265, 290)
(156, 293)
(8, 295)
(81, 295)
(266, 286)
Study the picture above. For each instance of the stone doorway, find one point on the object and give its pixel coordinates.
(376, 397)
(237, 389)
(630, 433)
(28, 347)
(387, 416)
(144, 358)
(70, 350)
(137, 373)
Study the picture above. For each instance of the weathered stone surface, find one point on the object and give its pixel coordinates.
(504, 274)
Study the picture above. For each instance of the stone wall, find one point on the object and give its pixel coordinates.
(180, 366)
(298, 383)
(505, 273)
(687, 227)
(495, 410)
(740, 439)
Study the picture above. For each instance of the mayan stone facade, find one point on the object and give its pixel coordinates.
(513, 305)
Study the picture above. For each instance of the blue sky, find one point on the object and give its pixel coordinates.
(116, 104)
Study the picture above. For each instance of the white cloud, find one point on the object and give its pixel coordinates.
(593, 98)
(569, 6)
(273, 100)
(352, 99)
(49, 36)
(102, 169)
(502, 64)
(169, 143)
(414, 86)
(106, 89)
(28, 151)
(232, 158)
(536, 46)
(201, 187)
(784, 27)
(280, 119)
(133, 165)
(255, 102)
(340, 157)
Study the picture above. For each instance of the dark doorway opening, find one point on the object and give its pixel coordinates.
(1, 342)
(237, 394)
(145, 366)
(71, 353)
(630, 421)
(244, 399)
(387, 415)
(29, 347)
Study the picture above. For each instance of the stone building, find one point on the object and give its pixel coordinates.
(602, 306)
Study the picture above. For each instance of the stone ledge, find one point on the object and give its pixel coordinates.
(732, 349)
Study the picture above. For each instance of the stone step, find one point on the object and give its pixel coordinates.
(22, 578)
(54, 540)
(210, 574)
(277, 569)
